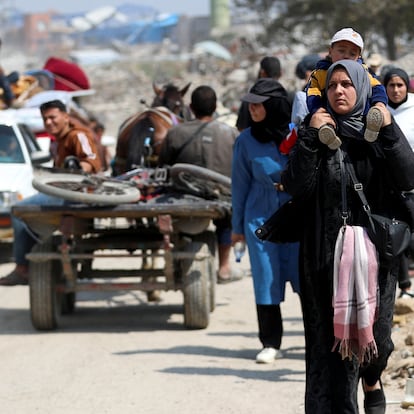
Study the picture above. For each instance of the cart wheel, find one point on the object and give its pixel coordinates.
(45, 303)
(84, 188)
(210, 238)
(195, 287)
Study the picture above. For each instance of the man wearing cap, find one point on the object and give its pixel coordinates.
(269, 68)
(345, 44)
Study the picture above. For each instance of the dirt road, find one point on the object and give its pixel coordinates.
(119, 354)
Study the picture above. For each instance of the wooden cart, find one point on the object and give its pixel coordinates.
(174, 227)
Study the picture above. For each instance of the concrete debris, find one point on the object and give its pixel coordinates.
(404, 306)
(401, 363)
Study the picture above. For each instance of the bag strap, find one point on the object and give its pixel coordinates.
(343, 188)
(199, 129)
(358, 187)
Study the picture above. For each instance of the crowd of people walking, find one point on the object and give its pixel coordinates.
(346, 125)
(345, 115)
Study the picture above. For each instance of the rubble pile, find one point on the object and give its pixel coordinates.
(121, 87)
(401, 363)
(119, 90)
(125, 87)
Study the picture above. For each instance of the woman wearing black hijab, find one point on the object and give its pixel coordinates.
(256, 168)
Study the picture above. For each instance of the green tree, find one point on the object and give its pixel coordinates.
(312, 22)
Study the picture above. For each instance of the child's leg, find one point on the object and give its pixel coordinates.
(374, 122)
(327, 136)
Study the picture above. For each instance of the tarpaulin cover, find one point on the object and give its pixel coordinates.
(68, 75)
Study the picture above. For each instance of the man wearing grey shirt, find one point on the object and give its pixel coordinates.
(205, 142)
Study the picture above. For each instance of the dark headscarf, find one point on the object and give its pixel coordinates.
(392, 73)
(307, 63)
(273, 96)
(275, 126)
(397, 72)
(352, 123)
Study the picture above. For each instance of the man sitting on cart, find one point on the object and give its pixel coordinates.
(71, 141)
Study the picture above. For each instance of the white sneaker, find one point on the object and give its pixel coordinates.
(268, 355)
(406, 294)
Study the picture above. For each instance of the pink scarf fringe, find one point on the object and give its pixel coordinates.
(355, 294)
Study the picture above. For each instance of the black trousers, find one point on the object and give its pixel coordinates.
(404, 281)
(270, 325)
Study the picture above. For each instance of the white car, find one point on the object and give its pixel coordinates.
(19, 152)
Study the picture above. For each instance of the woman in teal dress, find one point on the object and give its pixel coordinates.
(256, 195)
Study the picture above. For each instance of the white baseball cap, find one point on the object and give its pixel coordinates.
(350, 35)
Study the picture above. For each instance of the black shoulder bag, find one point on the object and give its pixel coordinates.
(285, 225)
(389, 235)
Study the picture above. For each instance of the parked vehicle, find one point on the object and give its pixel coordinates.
(19, 152)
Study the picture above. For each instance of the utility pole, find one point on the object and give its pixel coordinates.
(219, 16)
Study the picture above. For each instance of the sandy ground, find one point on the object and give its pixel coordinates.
(119, 354)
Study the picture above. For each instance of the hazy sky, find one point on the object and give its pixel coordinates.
(189, 7)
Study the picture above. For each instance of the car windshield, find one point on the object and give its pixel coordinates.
(10, 150)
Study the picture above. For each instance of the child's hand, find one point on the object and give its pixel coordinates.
(321, 117)
(385, 112)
